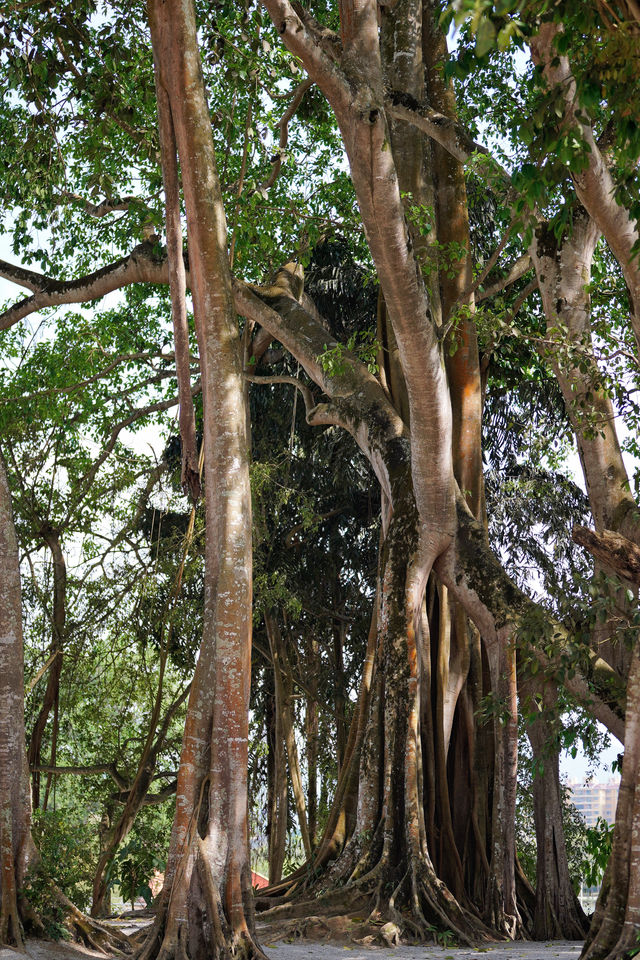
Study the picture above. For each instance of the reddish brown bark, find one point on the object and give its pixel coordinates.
(177, 285)
(15, 808)
(206, 901)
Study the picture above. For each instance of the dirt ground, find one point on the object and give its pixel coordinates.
(318, 950)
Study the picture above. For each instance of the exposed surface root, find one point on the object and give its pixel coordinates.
(94, 934)
(419, 908)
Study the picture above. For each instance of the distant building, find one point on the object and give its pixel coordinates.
(258, 882)
(595, 800)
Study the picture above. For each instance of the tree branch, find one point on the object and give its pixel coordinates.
(317, 47)
(594, 185)
(283, 125)
(612, 549)
(447, 132)
(105, 207)
(88, 771)
(307, 396)
(518, 269)
(142, 265)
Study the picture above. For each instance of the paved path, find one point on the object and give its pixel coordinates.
(310, 950)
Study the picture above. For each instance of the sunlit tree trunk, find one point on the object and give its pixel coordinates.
(206, 906)
(564, 272)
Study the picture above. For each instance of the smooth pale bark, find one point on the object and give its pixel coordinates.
(206, 901)
(355, 90)
(458, 636)
(594, 185)
(564, 272)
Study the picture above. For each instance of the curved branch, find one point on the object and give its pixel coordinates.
(307, 396)
(317, 47)
(517, 269)
(105, 207)
(142, 265)
(283, 124)
(612, 549)
(447, 132)
(594, 185)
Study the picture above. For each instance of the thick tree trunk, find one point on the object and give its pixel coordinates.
(206, 906)
(616, 921)
(15, 808)
(387, 856)
(557, 912)
(564, 272)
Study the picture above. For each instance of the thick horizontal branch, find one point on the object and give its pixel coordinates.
(447, 132)
(142, 265)
(612, 549)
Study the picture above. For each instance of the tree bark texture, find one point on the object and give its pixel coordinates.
(206, 907)
(616, 921)
(15, 807)
(564, 272)
(594, 185)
